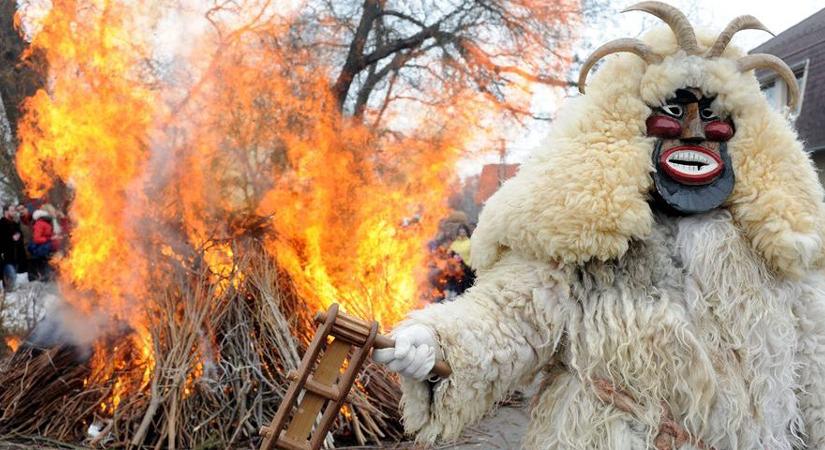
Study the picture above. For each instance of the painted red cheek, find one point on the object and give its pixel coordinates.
(663, 127)
(718, 131)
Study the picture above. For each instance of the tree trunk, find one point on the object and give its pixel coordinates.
(19, 79)
(355, 57)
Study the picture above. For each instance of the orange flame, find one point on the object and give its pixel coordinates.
(256, 144)
(343, 227)
(90, 130)
(13, 342)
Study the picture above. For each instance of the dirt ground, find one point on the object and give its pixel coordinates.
(503, 429)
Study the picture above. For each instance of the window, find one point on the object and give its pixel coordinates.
(776, 91)
(771, 91)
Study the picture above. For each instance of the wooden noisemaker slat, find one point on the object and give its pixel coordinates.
(272, 433)
(296, 425)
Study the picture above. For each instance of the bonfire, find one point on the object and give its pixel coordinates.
(219, 198)
(193, 266)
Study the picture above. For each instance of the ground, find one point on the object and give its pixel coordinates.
(26, 305)
(502, 429)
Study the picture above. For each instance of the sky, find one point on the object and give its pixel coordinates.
(713, 14)
(777, 15)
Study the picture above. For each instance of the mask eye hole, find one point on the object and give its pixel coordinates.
(673, 110)
(709, 114)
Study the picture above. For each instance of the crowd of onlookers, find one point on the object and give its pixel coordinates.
(30, 236)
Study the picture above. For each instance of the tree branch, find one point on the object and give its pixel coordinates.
(479, 57)
(404, 44)
(375, 77)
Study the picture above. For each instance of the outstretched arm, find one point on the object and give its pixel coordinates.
(810, 316)
(496, 337)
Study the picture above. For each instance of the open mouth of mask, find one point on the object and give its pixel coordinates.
(691, 164)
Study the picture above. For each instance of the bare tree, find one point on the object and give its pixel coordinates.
(19, 79)
(427, 50)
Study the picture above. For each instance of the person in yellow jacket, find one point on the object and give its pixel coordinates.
(461, 244)
(460, 248)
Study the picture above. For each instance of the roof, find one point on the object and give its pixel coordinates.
(492, 176)
(803, 42)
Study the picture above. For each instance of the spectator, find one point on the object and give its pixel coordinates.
(25, 222)
(444, 274)
(43, 245)
(460, 248)
(12, 250)
(461, 244)
(57, 218)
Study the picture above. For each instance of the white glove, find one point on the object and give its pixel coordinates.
(414, 353)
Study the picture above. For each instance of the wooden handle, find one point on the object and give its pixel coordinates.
(441, 368)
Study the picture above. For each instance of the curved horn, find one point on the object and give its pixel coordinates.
(765, 61)
(738, 24)
(634, 46)
(675, 19)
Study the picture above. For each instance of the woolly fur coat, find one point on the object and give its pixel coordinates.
(719, 316)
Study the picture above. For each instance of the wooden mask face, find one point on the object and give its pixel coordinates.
(693, 169)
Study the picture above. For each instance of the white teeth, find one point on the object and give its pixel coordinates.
(691, 162)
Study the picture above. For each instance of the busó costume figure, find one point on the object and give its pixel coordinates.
(657, 263)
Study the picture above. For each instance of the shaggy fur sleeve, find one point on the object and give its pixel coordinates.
(496, 336)
(810, 314)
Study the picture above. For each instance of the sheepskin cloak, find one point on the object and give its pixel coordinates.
(721, 316)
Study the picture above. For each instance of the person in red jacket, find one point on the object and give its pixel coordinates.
(44, 244)
(43, 229)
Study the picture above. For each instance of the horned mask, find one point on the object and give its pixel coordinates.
(678, 123)
(693, 169)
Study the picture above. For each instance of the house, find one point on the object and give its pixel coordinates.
(802, 47)
(492, 177)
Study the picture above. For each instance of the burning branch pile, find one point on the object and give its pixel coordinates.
(215, 373)
(226, 183)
